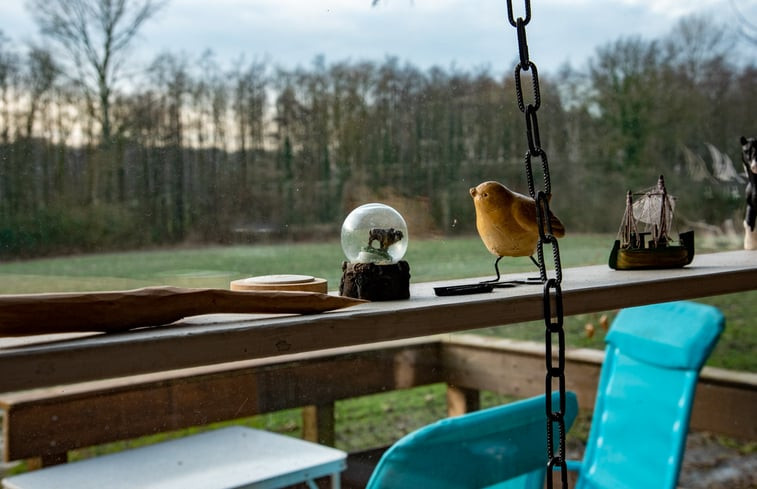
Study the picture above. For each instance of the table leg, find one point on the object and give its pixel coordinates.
(336, 481)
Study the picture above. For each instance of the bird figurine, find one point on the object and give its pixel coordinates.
(506, 222)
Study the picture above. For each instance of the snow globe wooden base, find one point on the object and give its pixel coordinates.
(374, 282)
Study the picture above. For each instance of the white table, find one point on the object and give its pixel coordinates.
(234, 457)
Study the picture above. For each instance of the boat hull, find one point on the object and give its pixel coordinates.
(653, 258)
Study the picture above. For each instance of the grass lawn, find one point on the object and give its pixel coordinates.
(373, 420)
(430, 259)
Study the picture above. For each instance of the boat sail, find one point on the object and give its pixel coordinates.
(653, 247)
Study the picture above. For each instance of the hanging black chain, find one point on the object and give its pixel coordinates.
(552, 288)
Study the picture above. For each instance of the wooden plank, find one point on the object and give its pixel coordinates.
(34, 314)
(54, 420)
(86, 388)
(516, 368)
(207, 340)
(725, 403)
(47, 422)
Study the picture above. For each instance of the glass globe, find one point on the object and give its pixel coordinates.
(374, 233)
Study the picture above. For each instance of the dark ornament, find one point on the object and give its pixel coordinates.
(749, 157)
(375, 282)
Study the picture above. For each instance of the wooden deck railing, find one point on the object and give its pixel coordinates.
(45, 423)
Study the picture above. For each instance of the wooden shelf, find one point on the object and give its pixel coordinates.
(206, 340)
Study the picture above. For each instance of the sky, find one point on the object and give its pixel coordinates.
(465, 34)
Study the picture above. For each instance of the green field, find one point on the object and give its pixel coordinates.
(430, 259)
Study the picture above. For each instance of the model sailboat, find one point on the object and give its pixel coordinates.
(653, 247)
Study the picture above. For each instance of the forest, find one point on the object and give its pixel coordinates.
(189, 151)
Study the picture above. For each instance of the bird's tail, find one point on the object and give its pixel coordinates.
(558, 229)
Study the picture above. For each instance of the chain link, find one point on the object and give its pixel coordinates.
(535, 85)
(553, 317)
(511, 16)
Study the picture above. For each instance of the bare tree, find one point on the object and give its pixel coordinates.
(747, 28)
(696, 44)
(40, 76)
(95, 34)
(9, 70)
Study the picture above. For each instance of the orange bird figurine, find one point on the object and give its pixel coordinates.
(506, 222)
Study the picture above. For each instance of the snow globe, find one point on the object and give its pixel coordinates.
(374, 241)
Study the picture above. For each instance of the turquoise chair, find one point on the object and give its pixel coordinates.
(646, 390)
(475, 450)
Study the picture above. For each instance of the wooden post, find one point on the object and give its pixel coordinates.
(461, 400)
(318, 424)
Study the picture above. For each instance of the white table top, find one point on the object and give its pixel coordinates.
(205, 340)
(228, 457)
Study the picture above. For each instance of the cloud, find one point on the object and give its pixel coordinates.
(424, 32)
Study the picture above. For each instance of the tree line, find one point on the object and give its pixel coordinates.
(195, 151)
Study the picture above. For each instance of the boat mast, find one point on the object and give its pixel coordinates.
(628, 226)
(661, 234)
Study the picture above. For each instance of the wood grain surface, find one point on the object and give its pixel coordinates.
(34, 314)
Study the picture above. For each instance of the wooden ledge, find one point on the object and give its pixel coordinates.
(207, 340)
